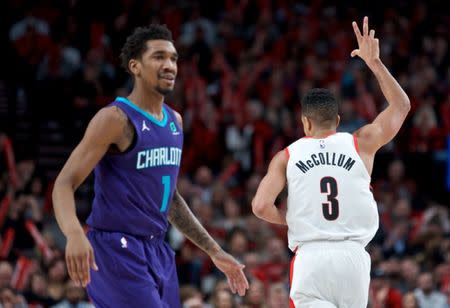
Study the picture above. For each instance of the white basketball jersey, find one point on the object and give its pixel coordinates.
(329, 195)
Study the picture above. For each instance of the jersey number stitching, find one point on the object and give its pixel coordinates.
(328, 185)
(165, 200)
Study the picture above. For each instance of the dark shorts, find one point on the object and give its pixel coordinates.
(133, 271)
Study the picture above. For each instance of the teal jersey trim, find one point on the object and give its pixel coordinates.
(161, 123)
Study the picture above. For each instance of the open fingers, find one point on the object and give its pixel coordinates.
(242, 284)
(366, 26)
(81, 268)
(357, 32)
(71, 270)
(239, 282)
(372, 34)
(232, 284)
(86, 272)
(92, 262)
(76, 270)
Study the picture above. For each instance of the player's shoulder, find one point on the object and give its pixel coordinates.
(177, 115)
(112, 113)
(367, 137)
(109, 119)
(280, 159)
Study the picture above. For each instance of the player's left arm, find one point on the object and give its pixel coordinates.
(387, 124)
(182, 218)
(271, 185)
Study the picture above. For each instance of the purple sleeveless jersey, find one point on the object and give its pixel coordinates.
(133, 190)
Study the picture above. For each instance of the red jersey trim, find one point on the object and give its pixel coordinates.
(291, 274)
(355, 142)
(312, 137)
(286, 151)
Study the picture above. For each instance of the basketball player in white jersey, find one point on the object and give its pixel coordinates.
(331, 214)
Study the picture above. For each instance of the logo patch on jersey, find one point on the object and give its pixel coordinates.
(173, 128)
(123, 241)
(322, 144)
(144, 126)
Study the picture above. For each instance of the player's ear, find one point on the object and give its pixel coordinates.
(134, 67)
(303, 119)
(338, 120)
(306, 124)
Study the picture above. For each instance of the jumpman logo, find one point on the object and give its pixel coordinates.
(123, 241)
(144, 126)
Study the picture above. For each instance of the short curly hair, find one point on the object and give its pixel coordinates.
(321, 106)
(135, 44)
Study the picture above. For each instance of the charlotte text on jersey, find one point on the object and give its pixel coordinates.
(164, 156)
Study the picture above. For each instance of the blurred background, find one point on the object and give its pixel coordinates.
(244, 65)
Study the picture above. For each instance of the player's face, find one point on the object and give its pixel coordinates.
(159, 66)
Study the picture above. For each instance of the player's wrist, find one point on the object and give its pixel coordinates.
(215, 251)
(375, 65)
(74, 231)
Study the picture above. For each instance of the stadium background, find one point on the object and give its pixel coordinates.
(244, 66)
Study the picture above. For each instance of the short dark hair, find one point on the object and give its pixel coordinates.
(320, 106)
(136, 45)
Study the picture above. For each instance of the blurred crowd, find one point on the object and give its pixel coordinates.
(243, 68)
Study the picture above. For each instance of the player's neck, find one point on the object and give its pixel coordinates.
(322, 132)
(150, 101)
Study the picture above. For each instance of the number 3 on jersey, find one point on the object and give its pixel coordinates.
(165, 200)
(330, 209)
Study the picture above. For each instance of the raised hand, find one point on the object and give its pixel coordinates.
(368, 45)
(233, 270)
(79, 258)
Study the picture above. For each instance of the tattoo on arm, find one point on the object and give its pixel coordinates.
(184, 220)
(128, 131)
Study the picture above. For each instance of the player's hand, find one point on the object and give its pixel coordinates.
(233, 270)
(368, 45)
(79, 258)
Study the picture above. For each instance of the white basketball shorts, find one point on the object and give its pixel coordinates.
(330, 274)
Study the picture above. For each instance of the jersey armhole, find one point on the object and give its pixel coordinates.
(113, 149)
(355, 142)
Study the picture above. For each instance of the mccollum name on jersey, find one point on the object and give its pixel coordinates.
(326, 158)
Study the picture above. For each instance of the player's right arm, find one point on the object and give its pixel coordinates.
(263, 204)
(105, 129)
(387, 124)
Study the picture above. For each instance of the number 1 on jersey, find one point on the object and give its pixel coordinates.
(166, 184)
(330, 209)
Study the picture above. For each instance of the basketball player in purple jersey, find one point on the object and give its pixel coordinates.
(135, 146)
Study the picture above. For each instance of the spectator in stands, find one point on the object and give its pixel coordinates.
(6, 272)
(278, 296)
(255, 296)
(191, 297)
(426, 293)
(410, 301)
(223, 299)
(232, 215)
(9, 298)
(381, 292)
(74, 297)
(409, 271)
(38, 291)
(57, 275)
(237, 243)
